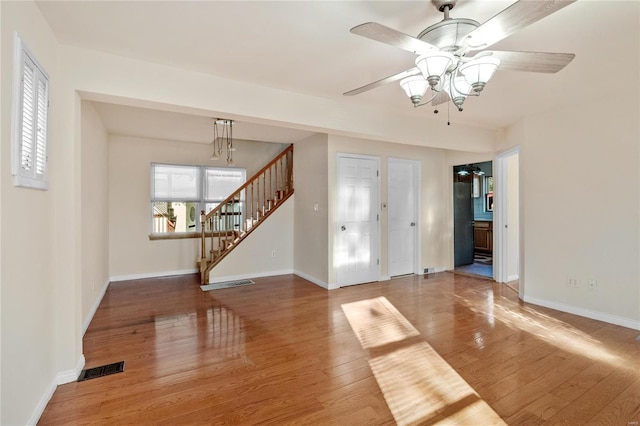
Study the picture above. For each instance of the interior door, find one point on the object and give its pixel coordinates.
(403, 216)
(356, 254)
(462, 224)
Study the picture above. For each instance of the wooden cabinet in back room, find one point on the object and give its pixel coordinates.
(483, 236)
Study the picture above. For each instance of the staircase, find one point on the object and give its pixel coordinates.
(228, 224)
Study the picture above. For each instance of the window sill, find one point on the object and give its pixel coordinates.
(174, 236)
(185, 235)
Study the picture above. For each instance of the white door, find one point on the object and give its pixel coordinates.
(506, 218)
(403, 202)
(356, 256)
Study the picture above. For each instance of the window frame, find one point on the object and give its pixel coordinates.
(201, 202)
(35, 176)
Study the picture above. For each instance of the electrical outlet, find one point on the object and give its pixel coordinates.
(592, 285)
(273, 253)
(572, 282)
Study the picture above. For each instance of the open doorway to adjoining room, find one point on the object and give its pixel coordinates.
(473, 218)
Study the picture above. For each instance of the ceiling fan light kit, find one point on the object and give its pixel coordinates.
(442, 64)
(478, 72)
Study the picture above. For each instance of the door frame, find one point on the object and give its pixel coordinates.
(336, 230)
(417, 187)
(500, 213)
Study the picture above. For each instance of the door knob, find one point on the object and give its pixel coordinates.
(413, 224)
(343, 228)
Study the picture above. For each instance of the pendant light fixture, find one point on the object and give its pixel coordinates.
(223, 140)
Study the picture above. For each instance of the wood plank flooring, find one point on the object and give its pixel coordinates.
(283, 351)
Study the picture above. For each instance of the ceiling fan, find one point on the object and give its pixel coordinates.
(452, 62)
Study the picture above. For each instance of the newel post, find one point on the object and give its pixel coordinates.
(203, 256)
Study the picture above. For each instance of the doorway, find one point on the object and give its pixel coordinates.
(473, 218)
(403, 189)
(357, 234)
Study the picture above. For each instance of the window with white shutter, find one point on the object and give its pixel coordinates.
(29, 127)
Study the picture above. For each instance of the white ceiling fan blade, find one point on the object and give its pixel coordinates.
(516, 17)
(390, 36)
(390, 79)
(531, 61)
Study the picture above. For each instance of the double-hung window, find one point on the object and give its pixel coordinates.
(29, 119)
(179, 193)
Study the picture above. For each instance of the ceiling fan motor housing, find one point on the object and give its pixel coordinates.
(449, 34)
(441, 4)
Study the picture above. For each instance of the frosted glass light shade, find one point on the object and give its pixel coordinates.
(479, 71)
(415, 87)
(459, 88)
(433, 65)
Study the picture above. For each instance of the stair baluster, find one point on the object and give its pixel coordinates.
(229, 223)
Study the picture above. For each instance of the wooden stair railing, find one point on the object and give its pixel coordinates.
(224, 227)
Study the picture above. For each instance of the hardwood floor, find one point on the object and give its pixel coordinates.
(415, 350)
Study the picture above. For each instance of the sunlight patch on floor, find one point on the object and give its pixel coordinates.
(418, 385)
(377, 322)
(553, 331)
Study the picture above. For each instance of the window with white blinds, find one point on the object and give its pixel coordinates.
(30, 111)
(179, 193)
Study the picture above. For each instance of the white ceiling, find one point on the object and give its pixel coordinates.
(306, 47)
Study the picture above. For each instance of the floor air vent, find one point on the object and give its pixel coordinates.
(103, 370)
(226, 284)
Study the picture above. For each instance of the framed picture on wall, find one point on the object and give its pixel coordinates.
(488, 201)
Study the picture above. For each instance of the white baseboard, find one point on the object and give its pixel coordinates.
(60, 379)
(315, 281)
(94, 308)
(384, 278)
(153, 275)
(69, 376)
(600, 316)
(512, 278)
(42, 404)
(213, 280)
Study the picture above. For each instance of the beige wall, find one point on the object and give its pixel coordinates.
(131, 253)
(95, 211)
(311, 226)
(102, 76)
(267, 251)
(580, 185)
(40, 319)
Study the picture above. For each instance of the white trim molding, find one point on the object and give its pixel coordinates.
(588, 313)
(153, 275)
(213, 280)
(61, 378)
(94, 308)
(319, 283)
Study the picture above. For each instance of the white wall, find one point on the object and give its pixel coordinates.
(95, 211)
(580, 184)
(266, 251)
(131, 253)
(311, 226)
(40, 326)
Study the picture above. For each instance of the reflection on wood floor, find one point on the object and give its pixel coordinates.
(282, 351)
